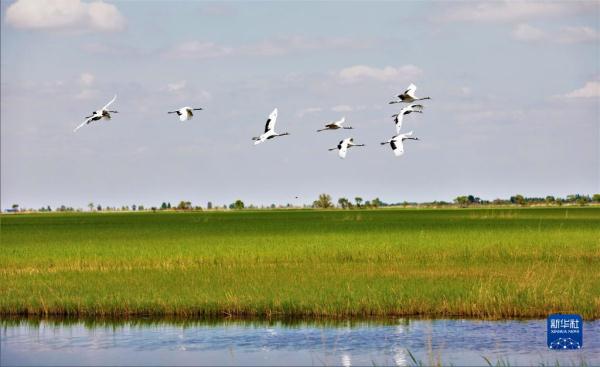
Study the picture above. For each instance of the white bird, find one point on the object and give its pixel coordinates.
(405, 111)
(408, 96)
(102, 113)
(344, 145)
(335, 125)
(396, 142)
(185, 113)
(269, 129)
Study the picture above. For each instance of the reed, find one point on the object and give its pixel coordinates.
(481, 263)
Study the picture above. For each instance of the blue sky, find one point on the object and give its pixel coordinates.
(515, 93)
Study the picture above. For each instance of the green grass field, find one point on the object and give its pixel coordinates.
(493, 263)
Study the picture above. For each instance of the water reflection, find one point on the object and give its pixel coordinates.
(398, 342)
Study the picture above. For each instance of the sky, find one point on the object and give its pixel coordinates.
(515, 106)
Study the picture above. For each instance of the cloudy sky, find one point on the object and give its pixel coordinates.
(515, 93)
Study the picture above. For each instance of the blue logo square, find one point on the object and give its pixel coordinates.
(565, 331)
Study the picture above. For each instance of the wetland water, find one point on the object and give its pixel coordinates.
(145, 342)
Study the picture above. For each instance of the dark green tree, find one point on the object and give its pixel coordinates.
(583, 200)
(518, 199)
(462, 201)
(323, 202)
(184, 205)
(376, 203)
(343, 203)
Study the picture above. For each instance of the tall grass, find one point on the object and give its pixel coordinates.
(493, 263)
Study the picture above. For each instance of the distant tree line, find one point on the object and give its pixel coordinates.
(325, 201)
(520, 200)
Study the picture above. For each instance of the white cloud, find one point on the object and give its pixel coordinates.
(525, 11)
(87, 79)
(64, 14)
(389, 73)
(187, 92)
(465, 91)
(342, 108)
(269, 47)
(308, 110)
(177, 86)
(578, 34)
(527, 33)
(589, 90)
(199, 50)
(286, 45)
(105, 17)
(203, 95)
(512, 11)
(476, 112)
(264, 48)
(115, 49)
(218, 10)
(86, 94)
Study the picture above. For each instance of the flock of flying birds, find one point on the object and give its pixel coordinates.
(396, 142)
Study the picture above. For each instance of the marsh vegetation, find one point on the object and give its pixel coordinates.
(483, 263)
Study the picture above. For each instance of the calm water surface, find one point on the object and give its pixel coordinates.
(458, 342)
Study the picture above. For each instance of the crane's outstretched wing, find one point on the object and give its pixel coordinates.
(87, 121)
(398, 121)
(397, 147)
(343, 148)
(270, 125)
(410, 91)
(109, 103)
(185, 114)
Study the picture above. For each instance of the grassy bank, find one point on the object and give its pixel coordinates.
(472, 262)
